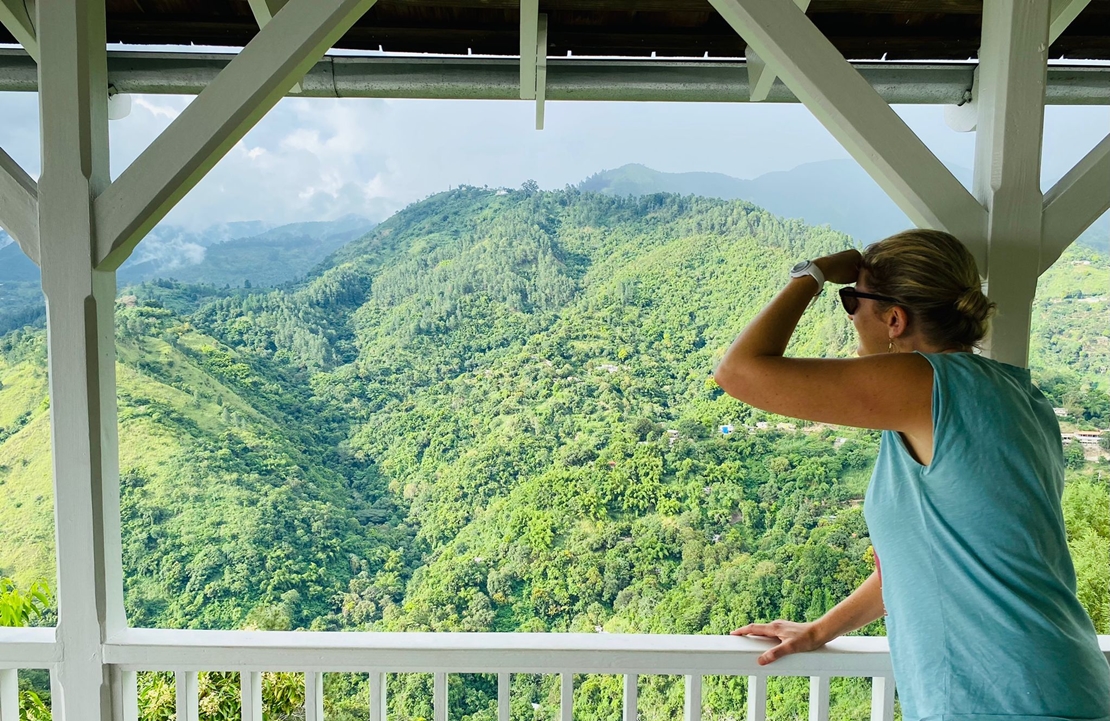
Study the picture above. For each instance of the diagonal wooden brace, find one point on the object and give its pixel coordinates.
(19, 206)
(251, 84)
(1076, 201)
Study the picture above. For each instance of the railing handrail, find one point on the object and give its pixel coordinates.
(29, 647)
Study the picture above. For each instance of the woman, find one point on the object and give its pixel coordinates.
(972, 564)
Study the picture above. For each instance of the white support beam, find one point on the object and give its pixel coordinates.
(858, 117)
(1012, 77)
(80, 303)
(18, 17)
(1063, 12)
(250, 85)
(529, 31)
(541, 70)
(19, 205)
(761, 77)
(1076, 201)
(264, 11)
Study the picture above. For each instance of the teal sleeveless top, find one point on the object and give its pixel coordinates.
(979, 588)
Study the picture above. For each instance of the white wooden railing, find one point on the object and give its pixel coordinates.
(629, 655)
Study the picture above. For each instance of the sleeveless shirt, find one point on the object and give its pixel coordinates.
(980, 592)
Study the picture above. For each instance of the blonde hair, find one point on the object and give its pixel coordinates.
(935, 277)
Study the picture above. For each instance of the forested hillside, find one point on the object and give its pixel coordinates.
(496, 412)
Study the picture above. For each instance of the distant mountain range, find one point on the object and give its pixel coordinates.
(837, 193)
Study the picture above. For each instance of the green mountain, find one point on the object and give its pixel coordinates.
(496, 412)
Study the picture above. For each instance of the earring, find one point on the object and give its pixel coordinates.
(890, 348)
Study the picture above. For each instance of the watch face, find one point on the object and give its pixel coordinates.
(800, 267)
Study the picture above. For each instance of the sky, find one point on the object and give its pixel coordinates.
(319, 159)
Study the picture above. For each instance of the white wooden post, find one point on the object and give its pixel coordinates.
(882, 698)
(691, 707)
(9, 695)
(819, 698)
(125, 695)
(188, 695)
(757, 698)
(313, 696)
(439, 697)
(377, 696)
(1012, 77)
(631, 697)
(250, 695)
(566, 697)
(81, 353)
(503, 707)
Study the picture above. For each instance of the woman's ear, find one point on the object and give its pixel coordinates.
(898, 321)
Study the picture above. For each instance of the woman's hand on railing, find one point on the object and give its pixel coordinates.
(792, 638)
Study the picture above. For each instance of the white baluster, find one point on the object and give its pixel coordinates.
(313, 696)
(819, 698)
(9, 695)
(502, 697)
(188, 695)
(882, 698)
(377, 696)
(757, 698)
(631, 697)
(250, 695)
(566, 697)
(692, 705)
(439, 697)
(127, 683)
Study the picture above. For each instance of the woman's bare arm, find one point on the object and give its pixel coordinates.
(863, 606)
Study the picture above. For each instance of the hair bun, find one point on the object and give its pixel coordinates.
(973, 304)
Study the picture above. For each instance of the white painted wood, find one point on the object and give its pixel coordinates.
(529, 31)
(855, 114)
(9, 695)
(541, 70)
(1012, 73)
(250, 695)
(631, 704)
(125, 695)
(1075, 202)
(252, 83)
(691, 705)
(264, 11)
(313, 696)
(503, 707)
(763, 78)
(439, 697)
(757, 698)
(882, 698)
(819, 698)
(19, 205)
(378, 696)
(22, 648)
(171, 649)
(15, 17)
(566, 696)
(81, 356)
(187, 687)
(1063, 12)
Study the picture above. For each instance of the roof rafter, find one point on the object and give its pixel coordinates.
(1076, 201)
(15, 15)
(251, 84)
(857, 116)
(19, 205)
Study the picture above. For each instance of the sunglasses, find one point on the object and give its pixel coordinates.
(849, 298)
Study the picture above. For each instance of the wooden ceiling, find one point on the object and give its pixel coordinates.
(861, 29)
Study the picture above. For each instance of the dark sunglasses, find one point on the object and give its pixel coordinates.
(849, 298)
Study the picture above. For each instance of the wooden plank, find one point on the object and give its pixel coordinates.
(819, 698)
(187, 691)
(857, 116)
(19, 205)
(313, 696)
(259, 76)
(1075, 202)
(882, 698)
(631, 705)
(1008, 140)
(691, 705)
(757, 698)
(250, 695)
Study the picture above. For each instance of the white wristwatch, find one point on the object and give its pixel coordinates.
(808, 267)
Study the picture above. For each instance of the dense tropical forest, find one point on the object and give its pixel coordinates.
(495, 412)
